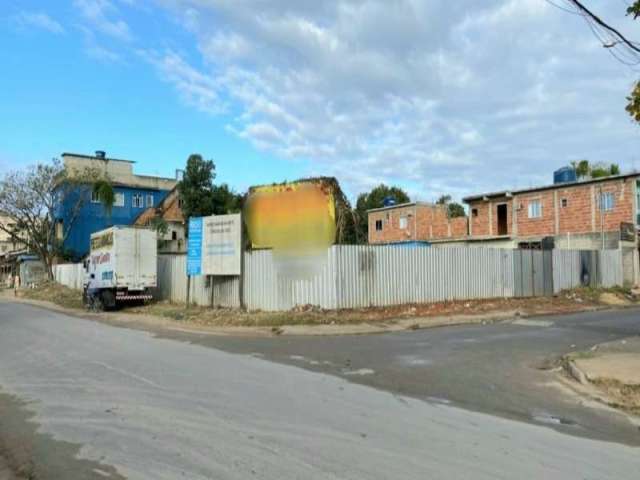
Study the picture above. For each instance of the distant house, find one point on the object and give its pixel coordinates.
(587, 214)
(168, 211)
(7, 242)
(414, 222)
(133, 194)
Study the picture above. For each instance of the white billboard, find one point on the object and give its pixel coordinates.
(221, 244)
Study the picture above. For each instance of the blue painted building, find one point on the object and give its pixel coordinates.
(133, 195)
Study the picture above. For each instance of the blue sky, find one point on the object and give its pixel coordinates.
(436, 97)
(58, 95)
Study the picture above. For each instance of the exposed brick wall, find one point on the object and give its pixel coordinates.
(479, 219)
(540, 226)
(391, 231)
(581, 215)
(459, 227)
(577, 216)
(424, 222)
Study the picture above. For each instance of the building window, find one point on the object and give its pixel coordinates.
(403, 223)
(378, 225)
(474, 212)
(564, 202)
(179, 203)
(535, 209)
(59, 230)
(136, 201)
(95, 198)
(118, 199)
(149, 200)
(606, 201)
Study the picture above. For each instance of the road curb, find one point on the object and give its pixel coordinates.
(575, 372)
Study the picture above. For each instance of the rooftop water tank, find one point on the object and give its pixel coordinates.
(565, 175)
(388, 201)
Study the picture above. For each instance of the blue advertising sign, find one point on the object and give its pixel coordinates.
(194, 247)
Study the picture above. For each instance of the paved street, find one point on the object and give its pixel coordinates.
(111, 402)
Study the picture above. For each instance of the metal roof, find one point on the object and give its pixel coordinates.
(401, 205)
(93, 157)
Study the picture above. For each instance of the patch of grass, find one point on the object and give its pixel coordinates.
(55, 293)
(582, 355)
(623, 396)
(592, 294)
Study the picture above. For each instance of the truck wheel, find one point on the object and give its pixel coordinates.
(108, 300)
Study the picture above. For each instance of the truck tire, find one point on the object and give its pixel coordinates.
(108, 300)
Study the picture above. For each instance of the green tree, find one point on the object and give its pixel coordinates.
(454, 208)
(199, 196)
(599, 170)
(32, 198)
(582, 168)
(196, 187)
(375, 199)
(226, 200)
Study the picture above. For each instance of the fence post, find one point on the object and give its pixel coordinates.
(188, 290)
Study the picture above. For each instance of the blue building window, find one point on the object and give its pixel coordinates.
(137, 201)
(149, 200)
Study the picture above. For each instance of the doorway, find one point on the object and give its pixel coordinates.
(502, 219)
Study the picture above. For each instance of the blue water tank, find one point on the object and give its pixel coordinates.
(388, 201)
(565, 175)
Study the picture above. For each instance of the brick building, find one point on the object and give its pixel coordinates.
(587, 214)
(417, 221)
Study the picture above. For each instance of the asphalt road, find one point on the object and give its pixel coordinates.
(108, 402)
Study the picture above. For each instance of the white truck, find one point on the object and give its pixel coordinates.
(122, 267)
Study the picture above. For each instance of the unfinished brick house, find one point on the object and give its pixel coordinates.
(416, 221)
(589, 214)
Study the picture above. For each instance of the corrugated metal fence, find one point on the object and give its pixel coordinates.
(69, 274)
(363, 276)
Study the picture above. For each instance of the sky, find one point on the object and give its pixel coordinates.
(437, 96)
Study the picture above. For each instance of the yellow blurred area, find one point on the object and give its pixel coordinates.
(292, 219)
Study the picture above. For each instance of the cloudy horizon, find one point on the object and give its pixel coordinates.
(437, 97)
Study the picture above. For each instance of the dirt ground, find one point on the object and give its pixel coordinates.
(612, 370)
(567, 302)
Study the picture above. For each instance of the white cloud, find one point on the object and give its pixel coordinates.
(100, 15)
(39, 20)
(195, 88)
(444, 97)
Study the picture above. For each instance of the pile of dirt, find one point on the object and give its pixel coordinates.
(566, 302)
(620, 395)
(54, 293)
(612, 369)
